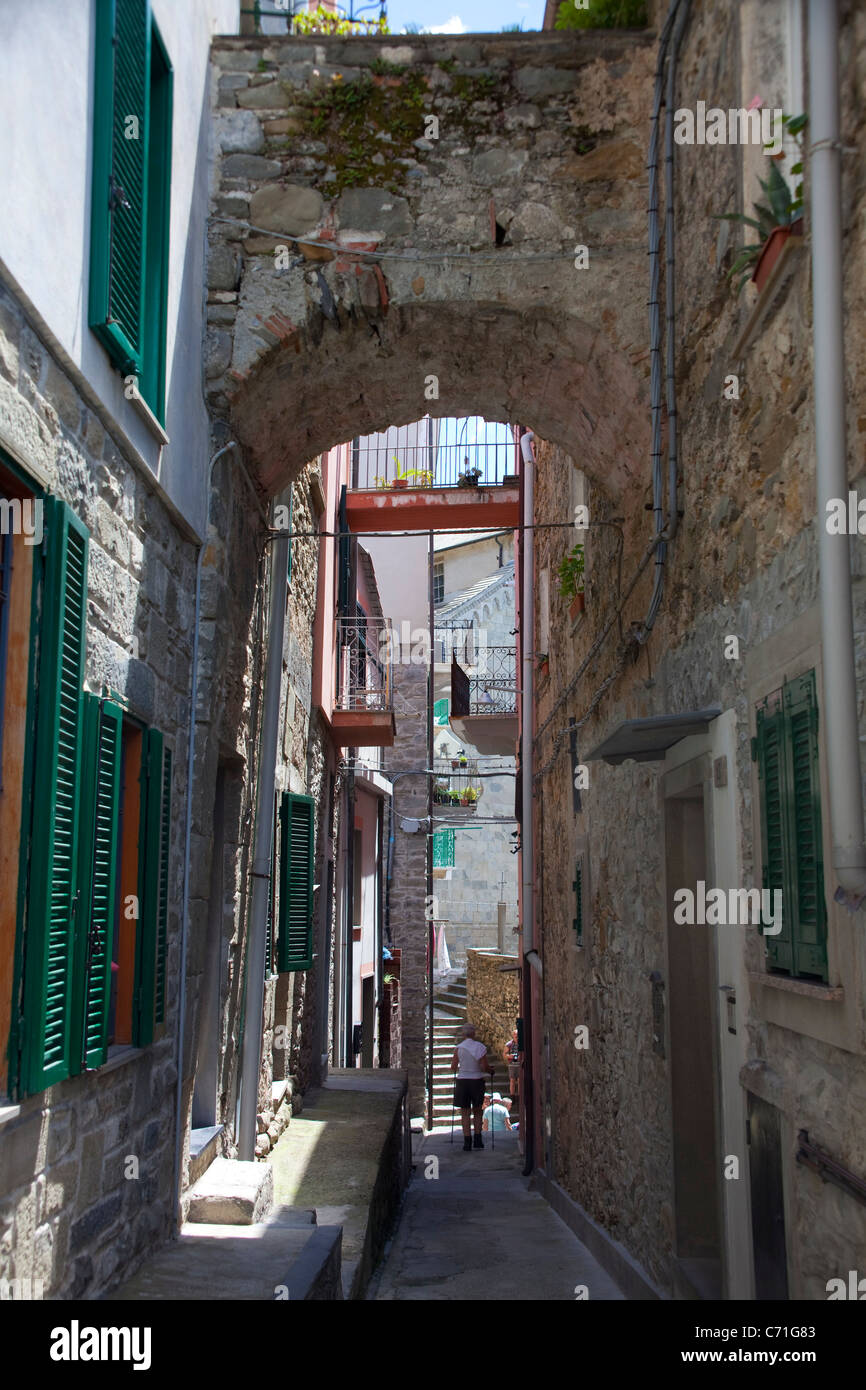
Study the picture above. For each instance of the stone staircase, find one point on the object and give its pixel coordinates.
(449, 1011)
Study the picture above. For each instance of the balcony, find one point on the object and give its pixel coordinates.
(457, 789)
(484, 703)
(409, 482)
(363, 715)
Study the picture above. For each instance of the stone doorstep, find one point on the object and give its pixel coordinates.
(203, 1144)
(233, 1192)
(287, 1258)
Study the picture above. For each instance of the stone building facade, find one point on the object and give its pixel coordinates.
(784, 1050)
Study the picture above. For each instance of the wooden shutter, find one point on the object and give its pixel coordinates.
(772, 784)
(153, 864)
(119, 199)
(272, 891)
(808, 907)
(162, 878)
(577, 885)
(50, 900)
(295, 945)
(443, 849)
(97, 878)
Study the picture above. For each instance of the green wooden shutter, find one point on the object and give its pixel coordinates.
(153, 884)
(119, 199)
(100, 806)
(162, 879)
(808, 906)
(50, 900)
(577, 885)
(272, 890)
(291, 544)
(295, 945)
(443, 849)
(772, 784)
(440, 712)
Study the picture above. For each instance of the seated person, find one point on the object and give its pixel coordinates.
(495, 1114)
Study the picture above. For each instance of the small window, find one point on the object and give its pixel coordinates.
(443, 849)
(131, 194)
(786, 750)
(438, 583)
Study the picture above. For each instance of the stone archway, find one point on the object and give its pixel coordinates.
(475, 302)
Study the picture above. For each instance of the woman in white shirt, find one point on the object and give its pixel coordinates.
(472, 1068)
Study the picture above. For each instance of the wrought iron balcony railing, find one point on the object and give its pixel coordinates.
(450, 453)
(364, 664)
(491, 688)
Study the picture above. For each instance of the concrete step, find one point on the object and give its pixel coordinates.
(286, 1258)
(233, 1192)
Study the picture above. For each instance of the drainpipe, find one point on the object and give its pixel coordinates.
(263, 838)
(527, 931)
(837, 629)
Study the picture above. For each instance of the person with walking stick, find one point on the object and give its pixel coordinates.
(472, 1068)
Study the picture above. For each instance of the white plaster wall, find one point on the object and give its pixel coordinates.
(46, 115)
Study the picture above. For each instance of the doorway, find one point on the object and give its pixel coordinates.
(693, 1029)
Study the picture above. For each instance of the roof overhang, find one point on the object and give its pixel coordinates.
(648, 740)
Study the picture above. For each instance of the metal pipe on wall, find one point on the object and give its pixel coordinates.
(841, 733)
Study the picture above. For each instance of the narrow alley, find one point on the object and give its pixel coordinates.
(473, 1228)
(432, 670)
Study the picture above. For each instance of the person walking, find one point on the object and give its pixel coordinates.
(472, 1068)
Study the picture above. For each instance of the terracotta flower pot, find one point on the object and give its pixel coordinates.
(400, 482)
(772, 251)
(577, 605)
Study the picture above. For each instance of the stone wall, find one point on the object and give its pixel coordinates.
(539, 147)
(744, 564)
(69, 1215)
(409, 872)
(492, 1003)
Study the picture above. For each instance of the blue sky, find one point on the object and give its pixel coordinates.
(465, 16)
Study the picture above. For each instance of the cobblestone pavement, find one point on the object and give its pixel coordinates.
(476, 1231)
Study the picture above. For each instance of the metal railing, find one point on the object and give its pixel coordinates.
(456, 781)
(330, 22)
(364, 664)
(491, 688)
(469, 452)
(454, 640)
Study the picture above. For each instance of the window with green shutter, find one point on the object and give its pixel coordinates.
(577, 885)
(154, 828)
(297, 846)
(131, 194)
(97, 880)
(49, 846)
(443, 849)
(786, 750)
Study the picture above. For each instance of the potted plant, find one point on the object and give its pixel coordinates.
(454, 798)
(776, 220)
(470, 476)
(571, 579)
(469, 796)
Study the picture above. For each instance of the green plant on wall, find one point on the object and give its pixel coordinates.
(781, 209)
(602, 14)
(322, 21)
(570, 573)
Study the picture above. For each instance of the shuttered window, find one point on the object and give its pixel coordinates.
(97, 880)
(131, 183)
(295, 944)
(149, 999)
(443, 849)
(786, 749)
(50, 850)
(577, 885)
